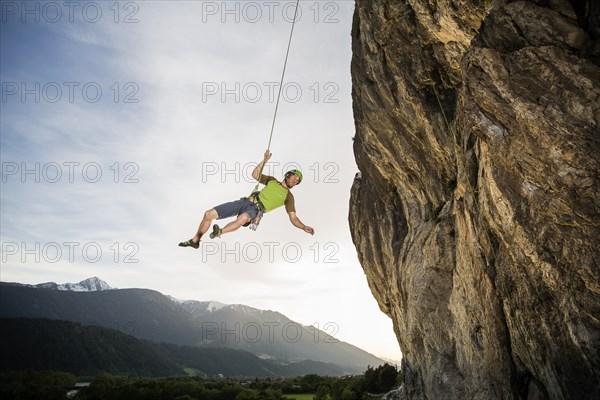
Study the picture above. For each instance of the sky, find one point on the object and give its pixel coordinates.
(122, 122)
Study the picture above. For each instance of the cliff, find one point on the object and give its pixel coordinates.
(475, 214)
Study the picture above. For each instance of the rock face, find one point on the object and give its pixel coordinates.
(476, 215)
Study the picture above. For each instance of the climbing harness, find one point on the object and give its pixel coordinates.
(260, 210)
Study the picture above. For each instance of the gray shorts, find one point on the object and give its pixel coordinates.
(235, 208)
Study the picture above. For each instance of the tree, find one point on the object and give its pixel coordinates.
(310, 382)
(247, 394)
(345, 388)
(322, 393)
(379, 380)
(387, 376)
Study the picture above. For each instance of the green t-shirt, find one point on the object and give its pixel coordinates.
(273, 195)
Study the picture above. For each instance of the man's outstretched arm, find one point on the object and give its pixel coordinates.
(298, 224)
(258, 168)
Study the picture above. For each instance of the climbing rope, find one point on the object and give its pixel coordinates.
(283, 73)
(280, 87)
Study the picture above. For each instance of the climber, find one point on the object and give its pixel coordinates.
(249, 210)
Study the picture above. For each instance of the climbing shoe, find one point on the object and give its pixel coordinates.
(189, 243)
(216, 232)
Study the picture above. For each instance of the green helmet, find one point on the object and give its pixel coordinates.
(294, 171)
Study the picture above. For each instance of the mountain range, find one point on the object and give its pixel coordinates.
(149, 315)
(87, 285)
(44, 344)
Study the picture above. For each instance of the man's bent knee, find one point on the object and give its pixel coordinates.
(244, 218)
(211, 214)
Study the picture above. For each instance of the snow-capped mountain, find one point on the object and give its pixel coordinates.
(93, 284)
(201, 308)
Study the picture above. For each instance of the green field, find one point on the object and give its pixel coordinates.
(305, 396)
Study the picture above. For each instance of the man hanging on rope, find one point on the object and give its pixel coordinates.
(249, 210)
